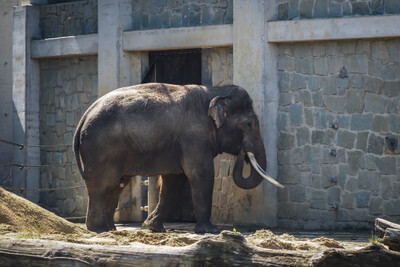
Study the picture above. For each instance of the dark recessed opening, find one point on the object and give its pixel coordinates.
(175, 67)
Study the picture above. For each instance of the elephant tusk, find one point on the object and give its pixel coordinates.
(263, 173)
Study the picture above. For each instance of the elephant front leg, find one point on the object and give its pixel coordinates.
(171, 185)
(200, 172)
(202, 189)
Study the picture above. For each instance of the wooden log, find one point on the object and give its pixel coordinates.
(381, 225)
(392, 239)
(389, 233)
(374, 255)
(226, 249)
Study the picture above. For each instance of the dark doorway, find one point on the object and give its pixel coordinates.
(177, 67)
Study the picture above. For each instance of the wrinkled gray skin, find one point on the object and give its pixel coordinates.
(168, 130)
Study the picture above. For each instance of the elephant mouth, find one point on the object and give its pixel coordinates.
(260, 170)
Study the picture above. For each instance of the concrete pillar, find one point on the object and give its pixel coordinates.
(6, 104)
(250, 65)
(270, 117)
(26, 99)
(113, 63)
(153, 192)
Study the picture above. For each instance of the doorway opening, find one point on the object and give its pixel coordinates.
(175, 67)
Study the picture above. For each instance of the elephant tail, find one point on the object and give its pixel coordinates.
(77, 141)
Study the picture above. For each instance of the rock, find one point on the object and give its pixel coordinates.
(361, 122)
(362, 199)
(296, 114)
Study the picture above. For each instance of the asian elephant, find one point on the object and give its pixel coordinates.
(169, 130)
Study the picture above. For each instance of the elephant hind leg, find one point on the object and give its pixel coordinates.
(103, 200)
(96, 216)
(169, 195)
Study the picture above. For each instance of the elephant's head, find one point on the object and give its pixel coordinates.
(238, 133)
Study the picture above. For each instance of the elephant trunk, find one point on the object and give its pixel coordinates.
(257, 174)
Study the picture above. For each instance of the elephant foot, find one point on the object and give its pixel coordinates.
(202, 228)
(154, 226)
(100, 228)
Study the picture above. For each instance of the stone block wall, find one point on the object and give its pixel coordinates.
(344, 176)
(67, 88)
(67, 19)
(154, 14)
(61, 1)
(307, 9)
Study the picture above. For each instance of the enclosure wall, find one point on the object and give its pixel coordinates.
(354, 86)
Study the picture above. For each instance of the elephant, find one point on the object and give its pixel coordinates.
(169, 130)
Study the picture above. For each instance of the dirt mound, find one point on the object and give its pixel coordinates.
(20, 215)
(267, 239)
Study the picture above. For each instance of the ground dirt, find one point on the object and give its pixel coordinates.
(27, 229)
(24, 219)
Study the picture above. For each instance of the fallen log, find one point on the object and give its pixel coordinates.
(381, 225)
(226, 249)
(373, 255)
(389, 233)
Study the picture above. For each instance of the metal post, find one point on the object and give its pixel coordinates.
(153, 193)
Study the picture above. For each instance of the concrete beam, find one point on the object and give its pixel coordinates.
(333, 29)
(65, 46)
(214, 36)
(178, 38)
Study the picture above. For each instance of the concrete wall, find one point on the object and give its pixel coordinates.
(67, 88)
(307, 9)
(361, 182)
(153, 14)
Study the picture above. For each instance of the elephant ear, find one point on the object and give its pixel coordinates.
(217, 110)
